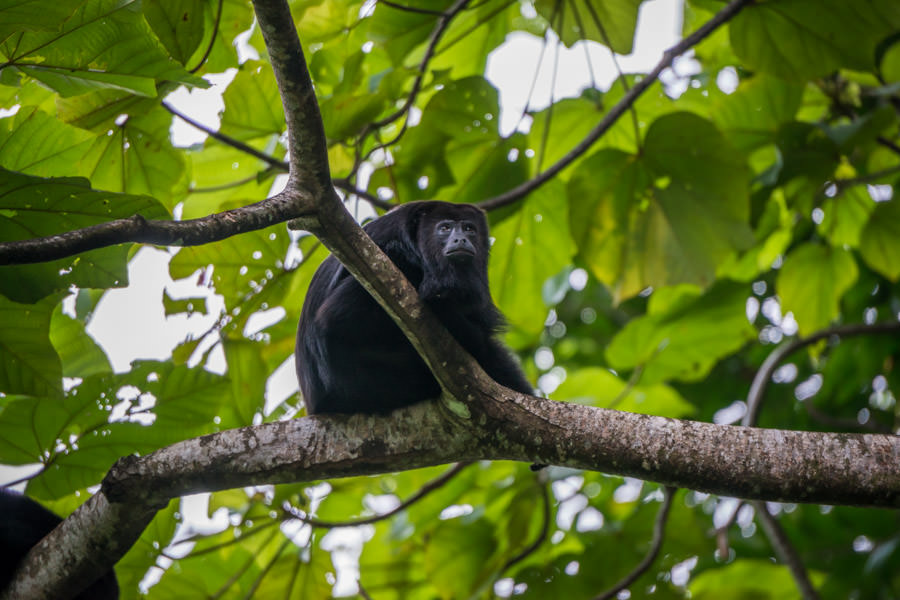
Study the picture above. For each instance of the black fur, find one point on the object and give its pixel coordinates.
(23, 523)
(352, 358)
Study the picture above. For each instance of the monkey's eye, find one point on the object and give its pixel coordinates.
(443, 228)
(468, 227)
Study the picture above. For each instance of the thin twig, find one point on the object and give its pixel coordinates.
(764, 374)
(439, 29)
(227, 140)
(412, 9)
(542, 535)
(659, 529)
(212, 39)
(424, 491)
(785, 550)
(632, 111)
(362, 591)
(616, 111)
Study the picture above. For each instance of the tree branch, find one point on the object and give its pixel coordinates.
(522, 190)
(764, 374)
(277, 209)
(785, 551)
(659, 530)
(227, 140)
(426, 489)
(776, 465)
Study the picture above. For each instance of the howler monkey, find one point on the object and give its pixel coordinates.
(23, 523)
(352, 358)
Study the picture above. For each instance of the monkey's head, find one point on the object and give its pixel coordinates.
(452, 240)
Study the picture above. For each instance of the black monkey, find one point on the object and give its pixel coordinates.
(23, 523)
(352, 358)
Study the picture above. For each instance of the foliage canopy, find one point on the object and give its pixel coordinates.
(750, 198)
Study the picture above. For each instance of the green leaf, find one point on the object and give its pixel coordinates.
(556, 129)
(401, 31)
(17, 16)
(33, 142)
(69, 83)
(599, 387)
(345, 115)
(683, 333)
(751, 116)
(880, 239)
(28, 363)
(253, 106)
(178, 24)
(242, 263)
(604, 192)
(531, 246)
(681, 227)
(247, 373)
(187, 306)
(79, 353)
(748, 579)
(138, 158)
(33, 206)
(105, 43)
(458, 557)
(804, 39)
(473, 34)
(845, 215)
(293, 577)
(169, 403)
(610, 22)
(132, 567)
(811, 283)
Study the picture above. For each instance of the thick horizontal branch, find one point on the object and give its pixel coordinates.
(744, 462)
(277, 209)
(764, 464)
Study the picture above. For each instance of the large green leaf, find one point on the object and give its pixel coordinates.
(243, 264)
(604, 192)
(674, 215)
(178, 24)
(79, 353)
(748, 580)
(138, 158)
(33, 206)
(458, 563)
(599, 387)
(34, 142)
(165, 404)
(104, 44)
(683, 333)
(17, 16)
(253, 106)
(28, 363)
(532, 245)
(811, 283)
(803, 39)
(401, 31)
(846, 214)
(880, 239)
(610, 22)
(751, 116)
